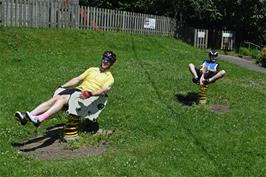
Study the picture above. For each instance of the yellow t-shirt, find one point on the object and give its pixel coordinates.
(94, 79)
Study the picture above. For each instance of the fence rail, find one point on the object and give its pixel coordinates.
(252, 45)
(58, 14)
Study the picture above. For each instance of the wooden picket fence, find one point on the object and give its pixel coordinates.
(194, 36)
(201, 38)
(58, 14)
(204, 38)
(228, 40)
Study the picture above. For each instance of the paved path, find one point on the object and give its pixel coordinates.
(243, 63)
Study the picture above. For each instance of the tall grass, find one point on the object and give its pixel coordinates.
(155, 135)
(252, 52)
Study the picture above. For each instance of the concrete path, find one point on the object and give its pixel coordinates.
(243, 63)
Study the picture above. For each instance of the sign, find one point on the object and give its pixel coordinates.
(201, 34)
(227, 34)
(149, 23)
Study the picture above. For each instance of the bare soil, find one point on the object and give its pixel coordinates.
(220, 108)
(51, 147)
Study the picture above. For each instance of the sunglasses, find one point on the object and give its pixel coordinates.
(106, 59)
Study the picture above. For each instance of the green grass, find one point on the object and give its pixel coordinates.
(155, 135)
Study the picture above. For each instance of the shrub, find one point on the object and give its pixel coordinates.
(263, 56)
(252, 52)
(244, 51)
(255, 53)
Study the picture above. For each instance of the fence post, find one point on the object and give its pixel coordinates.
(123, 22)
(7, 13)
(1, 12)
(195, 37)
(206, 40)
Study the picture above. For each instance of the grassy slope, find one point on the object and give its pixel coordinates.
(155, 135)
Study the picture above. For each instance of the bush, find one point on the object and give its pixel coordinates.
(263, 56)
(244, 51)
(255, 53)
(252, 52)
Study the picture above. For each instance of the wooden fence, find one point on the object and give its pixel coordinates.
(196, 37)
(58, 14)
(228, 40)
(201, 38)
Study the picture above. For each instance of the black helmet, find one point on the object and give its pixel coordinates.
(213, 53)
(109, 56)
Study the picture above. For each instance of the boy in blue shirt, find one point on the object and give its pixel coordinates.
(209, 70)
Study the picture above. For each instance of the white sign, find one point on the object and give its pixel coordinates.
(201, 34)
(149, 23)
(227, 34)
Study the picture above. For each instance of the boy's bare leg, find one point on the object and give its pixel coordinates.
(192, 69)
(219, 75)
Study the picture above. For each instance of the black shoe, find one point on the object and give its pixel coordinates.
(195, 80)
(21, 118)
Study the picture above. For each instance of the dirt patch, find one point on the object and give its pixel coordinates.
(220, 108)
(58, 151)
(51, 147)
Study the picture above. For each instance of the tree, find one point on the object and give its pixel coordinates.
(246, 17)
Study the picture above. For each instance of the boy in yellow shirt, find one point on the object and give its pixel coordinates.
(93, 82)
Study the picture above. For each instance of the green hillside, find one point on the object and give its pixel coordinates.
(154, 133)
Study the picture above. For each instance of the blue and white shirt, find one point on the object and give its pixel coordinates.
(210, 66)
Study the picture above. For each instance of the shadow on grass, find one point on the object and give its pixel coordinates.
(53, 134)
(187, 99)
(89, 126)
